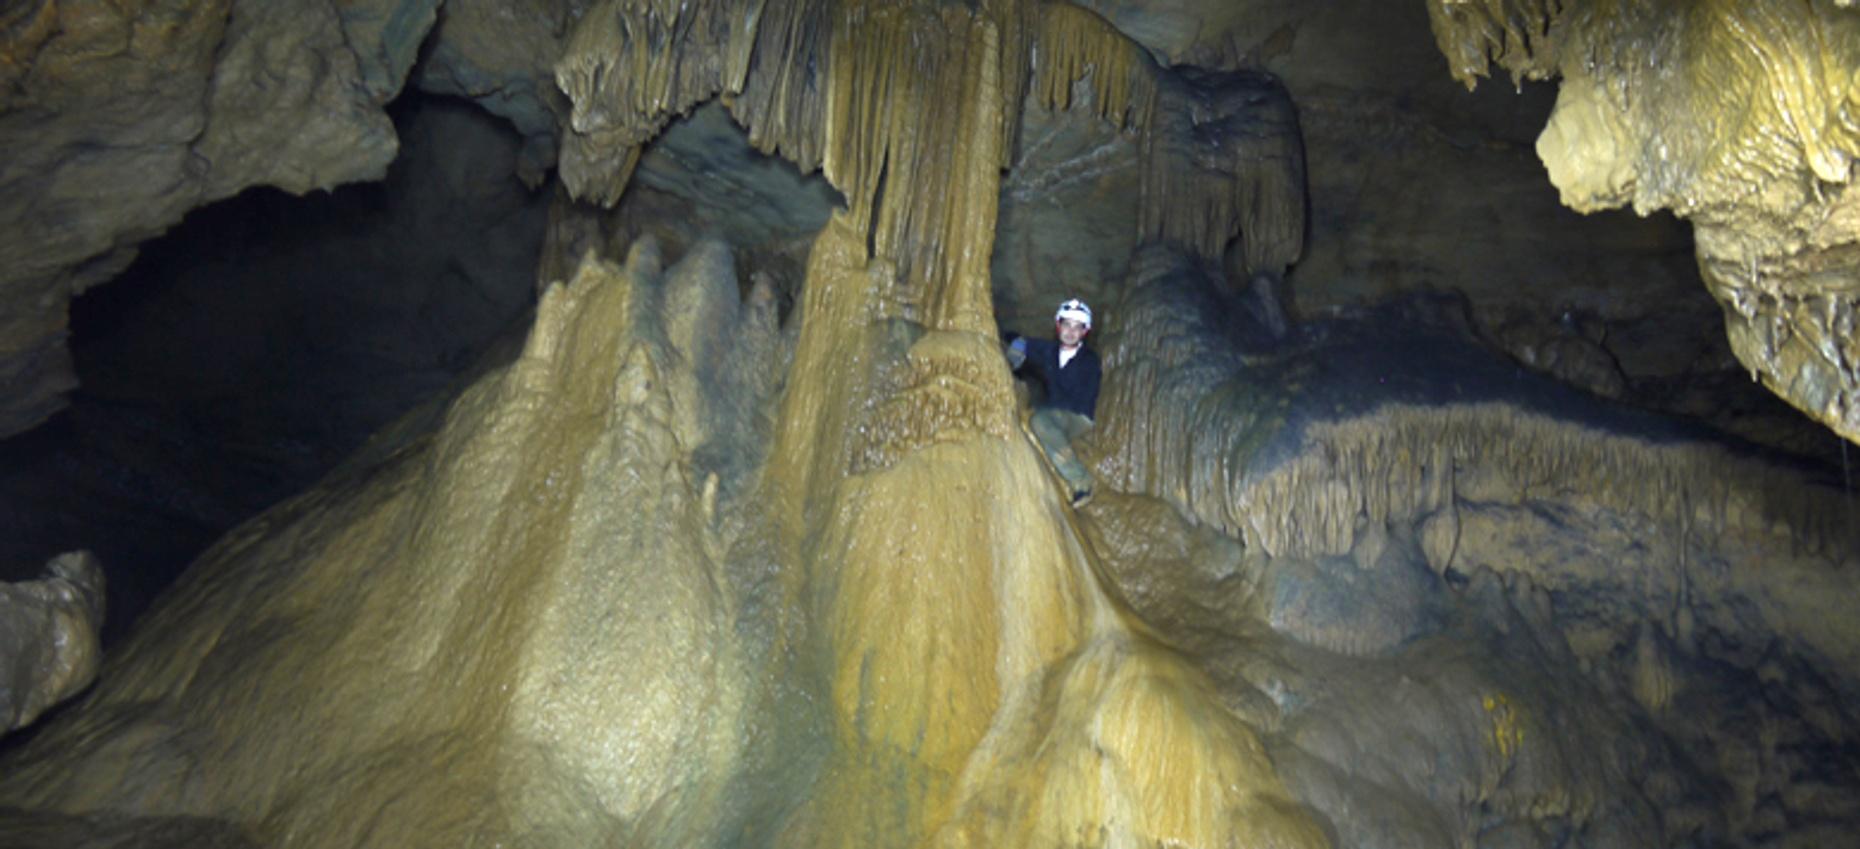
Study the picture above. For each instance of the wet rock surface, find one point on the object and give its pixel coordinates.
(1773, 221)
(49, 643)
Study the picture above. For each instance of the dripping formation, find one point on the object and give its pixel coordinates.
(860, 91)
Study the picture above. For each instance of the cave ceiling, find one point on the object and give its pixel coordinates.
(1743, 130)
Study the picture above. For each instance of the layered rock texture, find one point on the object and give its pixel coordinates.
(739, 541)
(1419, 186)
(1349, 514)
(118, 118)
(1736, 116)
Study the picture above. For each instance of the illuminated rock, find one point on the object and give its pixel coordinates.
(549, 596)
(516, 627)
(677, 576)
(1736, 116)
(49, 650)
(533, 623)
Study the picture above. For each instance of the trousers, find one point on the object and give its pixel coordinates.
(1056, 429)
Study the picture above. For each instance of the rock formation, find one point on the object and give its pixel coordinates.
(49, 649)
(1737, 117)
(742, 544)
(117, 119)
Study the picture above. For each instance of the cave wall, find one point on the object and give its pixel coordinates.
(117, 119)
(1737, 117)
(261, 341)
(1420, 186)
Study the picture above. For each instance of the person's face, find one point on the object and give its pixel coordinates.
(1071, 332)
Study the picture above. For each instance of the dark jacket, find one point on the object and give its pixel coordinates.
(1074, 387)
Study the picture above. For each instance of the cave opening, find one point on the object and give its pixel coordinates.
(260, 341)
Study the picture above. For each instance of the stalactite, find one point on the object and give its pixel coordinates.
(914, 133)
(1076, 45)
(782, 99)
(1738, 116)
(903, 105)
(1685, 488)
(1474, 34)
(1242, 446)
(1222, 154)
(632, 65)
(1223, 157)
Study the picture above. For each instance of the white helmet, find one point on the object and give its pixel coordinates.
(1075, 310)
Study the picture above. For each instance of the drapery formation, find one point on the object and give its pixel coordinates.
(886, 98)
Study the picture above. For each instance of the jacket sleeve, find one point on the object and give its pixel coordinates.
(1090, 390)
(1037, 354)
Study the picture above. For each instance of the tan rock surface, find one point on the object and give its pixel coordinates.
(413, 627)
(1417, 186)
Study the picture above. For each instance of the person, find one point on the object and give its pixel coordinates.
(1071, 374)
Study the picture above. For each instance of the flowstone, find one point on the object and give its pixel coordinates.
(1467, 605)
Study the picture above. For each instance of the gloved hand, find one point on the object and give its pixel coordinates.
(1016, 351)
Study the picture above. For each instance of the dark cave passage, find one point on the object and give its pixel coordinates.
(251, 348)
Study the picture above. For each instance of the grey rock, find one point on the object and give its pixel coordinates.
(49, 647)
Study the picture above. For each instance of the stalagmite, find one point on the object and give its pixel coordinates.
(963, 631)
(670, 573)
(604, 634)
(517, 628)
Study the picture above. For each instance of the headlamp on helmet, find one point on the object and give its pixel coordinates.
(1074, 310)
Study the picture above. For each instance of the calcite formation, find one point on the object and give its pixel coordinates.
(856, 90)
(1736, 116)
(682, 573)
(526, 516)
(584, 606)
(553, 596)
(49, 646)
(1383, 502)
(221, 96)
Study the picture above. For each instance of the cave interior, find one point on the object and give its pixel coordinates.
(603, 357)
